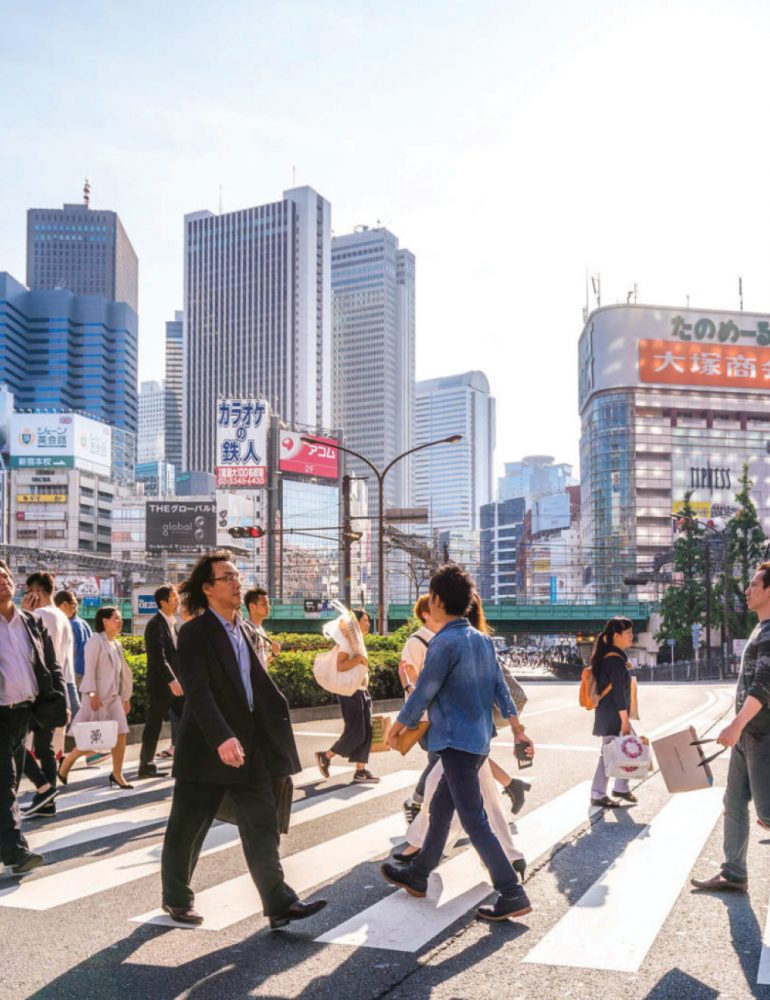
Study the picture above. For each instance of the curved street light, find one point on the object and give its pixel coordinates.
(380, 476)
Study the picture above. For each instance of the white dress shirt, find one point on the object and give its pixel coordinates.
(17, 656)
(60, 630)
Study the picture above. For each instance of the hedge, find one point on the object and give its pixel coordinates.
(292, 670)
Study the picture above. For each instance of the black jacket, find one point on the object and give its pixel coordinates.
(216, 709)
(613, 670)
(162, 657)
(50, 707)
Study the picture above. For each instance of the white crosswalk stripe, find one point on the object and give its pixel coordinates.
(613, 925)
(401, 923)
(234, 900)
(49, 891)
(127, 821)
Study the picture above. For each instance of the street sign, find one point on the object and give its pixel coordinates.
(413, 514)
(671, 642)
(313, 607)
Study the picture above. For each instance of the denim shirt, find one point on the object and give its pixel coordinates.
(459, 683)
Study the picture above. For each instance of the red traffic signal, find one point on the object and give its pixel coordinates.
(252, 531)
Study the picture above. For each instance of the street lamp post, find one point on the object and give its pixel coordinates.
(380, 476)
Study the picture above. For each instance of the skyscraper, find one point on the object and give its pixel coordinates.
(174, 382)
(61, 351)
(373, 330)
(453, 481)
(151, 440)
(84, 250)
(257, 314)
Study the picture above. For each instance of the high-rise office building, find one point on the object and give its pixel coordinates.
(454, 480)
(174, 382)
(257, 315)
(60, 351)
(84, 250)
(501, 528)
(373, 329)
(532, 476)
(151, 440)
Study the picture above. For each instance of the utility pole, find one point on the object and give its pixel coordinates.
(346, 541)
(707, 570)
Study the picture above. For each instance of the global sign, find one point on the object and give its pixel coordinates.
(181, 527)
(319, 458)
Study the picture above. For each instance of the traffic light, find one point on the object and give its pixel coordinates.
(252, 531)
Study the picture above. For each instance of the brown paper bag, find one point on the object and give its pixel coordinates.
(681, 764)
(380, 730)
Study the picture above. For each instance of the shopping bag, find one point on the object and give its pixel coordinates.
(626, 757)
(684, 766)
(407, 738)
(633, 712)
(95, 735)
(380, 730)
(345, 632)
(344, 682)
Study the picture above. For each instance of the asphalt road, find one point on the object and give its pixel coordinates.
(613, 912)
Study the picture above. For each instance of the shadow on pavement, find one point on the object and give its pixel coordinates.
(679, 984)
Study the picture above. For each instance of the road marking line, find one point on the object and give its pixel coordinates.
(546, 711)
(614, 924)
(673, 724)
(763, 971)
(46, 892)
(232, 901)
(401, 923)
(552, 746)
(59, 838)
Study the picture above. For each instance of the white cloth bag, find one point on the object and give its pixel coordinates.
(344, 682)
(626, 757)
(95, 735)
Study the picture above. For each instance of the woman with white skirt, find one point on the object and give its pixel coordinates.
(105, 690)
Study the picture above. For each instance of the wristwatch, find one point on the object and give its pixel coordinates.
(409, 688)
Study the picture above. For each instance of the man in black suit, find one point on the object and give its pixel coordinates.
(164, 691)
(31, 690)
(235, 737)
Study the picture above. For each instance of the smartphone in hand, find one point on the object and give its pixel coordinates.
(522, 757)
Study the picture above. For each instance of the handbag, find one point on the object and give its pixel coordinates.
(518, 693)
(626, 757)
(96, 735)
(407, 738)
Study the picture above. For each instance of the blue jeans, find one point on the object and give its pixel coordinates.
(748, 777)
(73, 699)
(459, 789)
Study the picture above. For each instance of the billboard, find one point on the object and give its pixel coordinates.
(728, 366)
(318, 459)
(60, 441)
(549, 513)
(180, 527)
(241, 461)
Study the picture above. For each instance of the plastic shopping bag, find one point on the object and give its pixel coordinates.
(345, 631)
(626, 757)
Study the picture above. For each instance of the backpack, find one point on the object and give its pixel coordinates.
(588, 696)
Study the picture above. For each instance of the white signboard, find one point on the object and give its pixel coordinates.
(241, 461)
(550, 513)
(60, 441)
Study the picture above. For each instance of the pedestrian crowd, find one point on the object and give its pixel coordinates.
(233, 751)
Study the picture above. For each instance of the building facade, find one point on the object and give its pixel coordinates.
(672, 401)
(151, 439)
(533, 475)
(66, 352)
(257, 317)
(502, 523)
(158, 478)
(174, 395)
(373, 335)
(83, 250)
(454, 480)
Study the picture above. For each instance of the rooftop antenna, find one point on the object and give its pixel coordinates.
(293, 176)
(740, 293)
(596, 284)
(86, 192)
(687, 297)
(220, 199)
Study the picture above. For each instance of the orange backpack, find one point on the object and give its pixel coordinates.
(589, 696)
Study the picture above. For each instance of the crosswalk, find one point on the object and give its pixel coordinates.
(612, 924)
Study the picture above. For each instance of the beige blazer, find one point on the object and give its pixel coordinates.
(105, 670)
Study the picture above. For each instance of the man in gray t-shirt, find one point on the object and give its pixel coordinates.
(748, 734)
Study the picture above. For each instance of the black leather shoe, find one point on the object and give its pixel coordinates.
(403, 877)
(520, 867)
(147, 771)
(506, 908)
(297, 911)
(605, 802)
(515, 789)
(626, 797)
(25, 863)
(183, 914)
(720, 883)
(405, 859)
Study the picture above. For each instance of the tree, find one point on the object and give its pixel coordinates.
(746, 543)
(684, 603)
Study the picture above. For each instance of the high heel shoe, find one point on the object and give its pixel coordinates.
(515, 789)
(62, 777)
(114, 781)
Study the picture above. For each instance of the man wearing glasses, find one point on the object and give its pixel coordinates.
(235, 737)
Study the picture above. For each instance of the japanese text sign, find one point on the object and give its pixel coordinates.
(320, 458)
(241, 443)
(726, 365)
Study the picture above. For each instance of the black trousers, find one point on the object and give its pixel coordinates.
(41, 769)
(193, 809)
(14, 724)
(157, 710)
(356, 739)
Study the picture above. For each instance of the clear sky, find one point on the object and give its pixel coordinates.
(514, 147)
